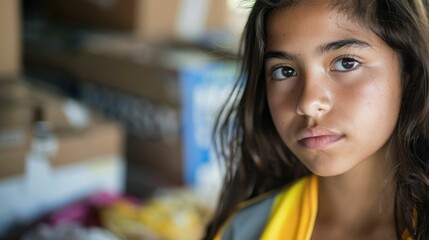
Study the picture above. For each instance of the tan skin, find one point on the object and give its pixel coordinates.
(334, 94)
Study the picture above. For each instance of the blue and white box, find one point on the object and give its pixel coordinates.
(205, 88)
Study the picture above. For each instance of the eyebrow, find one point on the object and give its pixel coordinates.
(343, 43)
(331, 46)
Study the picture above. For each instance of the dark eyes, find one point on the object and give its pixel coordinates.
(343, 64)
(283, 72)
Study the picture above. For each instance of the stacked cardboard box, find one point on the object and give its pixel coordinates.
(149, 19)
(17, 111)
(139, 82)
(52, 151)
(162, 93)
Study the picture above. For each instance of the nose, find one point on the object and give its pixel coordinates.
(314, 99)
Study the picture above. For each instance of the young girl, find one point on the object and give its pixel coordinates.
(328, 135)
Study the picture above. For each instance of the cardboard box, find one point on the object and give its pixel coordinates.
(17, 105)
(15, 144)
(182, 19)
(16, 117)
(65, 147)
(101, 138)
(107, 14)
(149, 19)
(16, 114)
(12, 88)
(192, 82)
(46, 161)
(62, 113)
(148, 71)
(22, 106)
(10, 40)
(43, 174)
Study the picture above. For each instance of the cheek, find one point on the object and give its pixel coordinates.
(360, 100)
(281, 104)
(373, 103)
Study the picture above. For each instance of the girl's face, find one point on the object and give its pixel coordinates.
(333, 87)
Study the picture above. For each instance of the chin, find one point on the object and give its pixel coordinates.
(328, 171)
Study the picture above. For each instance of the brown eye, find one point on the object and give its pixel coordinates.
(345, 64)
(283, 72)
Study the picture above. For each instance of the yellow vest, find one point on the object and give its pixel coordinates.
(287, 215)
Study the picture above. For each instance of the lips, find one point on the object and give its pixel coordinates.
(318, 138)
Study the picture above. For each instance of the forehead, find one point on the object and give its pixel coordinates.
(311, 21)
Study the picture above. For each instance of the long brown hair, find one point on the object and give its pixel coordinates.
(258, 161)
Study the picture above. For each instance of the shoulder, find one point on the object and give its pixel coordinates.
(250, 219)
(252, 216)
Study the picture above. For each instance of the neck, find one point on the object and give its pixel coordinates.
(361, 199)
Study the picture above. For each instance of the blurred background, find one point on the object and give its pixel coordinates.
(106, 113)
